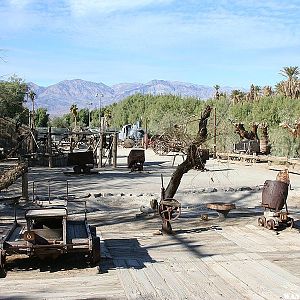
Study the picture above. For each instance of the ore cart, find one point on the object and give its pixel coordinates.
(48, 233)
(274, 196)
(246, 147)
(81, 161)
(136, 159)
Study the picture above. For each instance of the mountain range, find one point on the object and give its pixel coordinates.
(59, 97)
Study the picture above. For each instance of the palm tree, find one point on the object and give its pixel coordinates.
(251, 94)
(74, 112)
(257, 90)
(32, 96)
(290, 72)
(235, 96)
(291, 84)
(217, 94)
(267, 91)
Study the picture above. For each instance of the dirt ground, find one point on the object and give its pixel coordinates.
(230, 258)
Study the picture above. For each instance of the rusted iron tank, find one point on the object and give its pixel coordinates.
(274, 197)
(274, 194)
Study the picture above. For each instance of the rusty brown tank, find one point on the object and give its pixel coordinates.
(274, 194)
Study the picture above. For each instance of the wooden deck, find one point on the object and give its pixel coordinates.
(233, 259)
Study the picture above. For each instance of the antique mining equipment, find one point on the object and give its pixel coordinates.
(169, 210)
(274, 197)
(136, 159)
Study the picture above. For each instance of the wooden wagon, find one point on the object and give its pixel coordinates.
(48, 233)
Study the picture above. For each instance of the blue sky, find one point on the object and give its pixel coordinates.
(230, 43)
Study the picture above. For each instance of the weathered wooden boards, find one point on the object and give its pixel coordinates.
(233, 262)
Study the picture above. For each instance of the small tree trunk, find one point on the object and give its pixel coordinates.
(10, 176)
(195, 156)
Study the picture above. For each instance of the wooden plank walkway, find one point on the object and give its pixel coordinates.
(237, 261)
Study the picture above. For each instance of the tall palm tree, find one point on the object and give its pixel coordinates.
(291, 84)
(32, 96)
(235, 96)
(74, 112)
(217, 94)
(290, 72)
(257, 90)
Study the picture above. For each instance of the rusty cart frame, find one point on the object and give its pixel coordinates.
(48, 233)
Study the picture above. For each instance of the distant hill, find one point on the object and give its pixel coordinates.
(58, 98)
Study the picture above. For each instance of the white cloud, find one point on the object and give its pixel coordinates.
(83, 7)
(20, 4)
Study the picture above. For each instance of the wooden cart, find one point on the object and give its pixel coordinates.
(48, 233)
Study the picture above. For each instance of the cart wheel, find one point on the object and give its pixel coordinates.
(95, 253)
(270, 224)
(77, 169)
(261, 221)
(93, 230)
(3, 271)
(86, 170)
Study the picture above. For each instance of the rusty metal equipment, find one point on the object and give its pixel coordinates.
(81, 161)
(247, 147)
(136, 159)
(169, 210)
(49, 232)
(274, 196)
(221, 208)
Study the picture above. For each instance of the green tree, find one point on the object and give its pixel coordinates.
(41, 117)
(12, 100)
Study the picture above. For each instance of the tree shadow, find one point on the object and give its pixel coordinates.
(125, 254)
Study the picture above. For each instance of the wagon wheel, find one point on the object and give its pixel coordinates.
(270, 224)
(261, 221)
(86, 170)
(93, 230)
(169, 209)
(3, 270)
(77, 169)
(95, 252)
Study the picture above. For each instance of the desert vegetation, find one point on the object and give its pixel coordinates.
(263, 105)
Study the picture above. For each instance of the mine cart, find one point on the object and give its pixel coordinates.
(136, 159)
(274, 197)
(246, 147)
(48, 233)
(81, 161)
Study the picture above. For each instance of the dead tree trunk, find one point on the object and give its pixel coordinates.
(196, 157)
(8, 177)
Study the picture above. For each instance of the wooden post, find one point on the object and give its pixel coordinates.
(215, 133)
(115, 149)
(50, 148)
(25, 186)
(100, 151)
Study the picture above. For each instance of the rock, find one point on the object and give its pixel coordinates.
(146, 209)
(244, 188)
(108, 194)
(210, 190)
